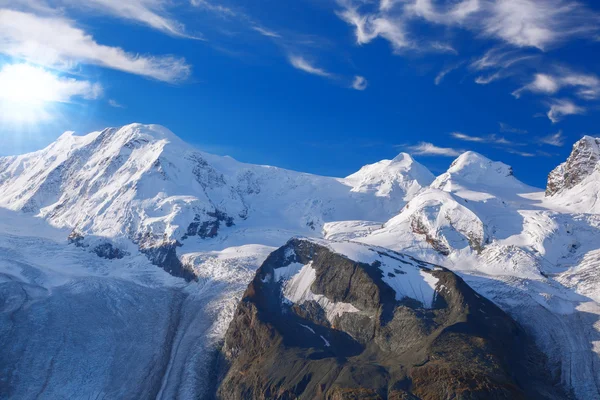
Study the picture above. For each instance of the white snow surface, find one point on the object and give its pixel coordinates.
(138, 179)
(296, 290)
(145, 333)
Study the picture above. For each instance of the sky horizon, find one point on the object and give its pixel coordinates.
(315, 86)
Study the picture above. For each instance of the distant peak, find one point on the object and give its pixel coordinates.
(470, 158)
(591, 142)
(403, 158)
(582, 162)
(154, 131)
(474, 168)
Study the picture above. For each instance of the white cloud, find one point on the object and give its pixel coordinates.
(442, 74)
(534, 23)
(521, 23)
(266, 32)
(302, 64)
(520, 153)
(429, 149)
(359, 83)
(587, 86)
(148, 12)
(501, 61)
(115, 104)
(216, 8)
(450, 15)
(504, 127)
(556, 139)
(561, 108)
(370, 26)
(467, 138)
(542, 83)
(482, 139)
(57, 42)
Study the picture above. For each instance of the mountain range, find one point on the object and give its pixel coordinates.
(130, 257)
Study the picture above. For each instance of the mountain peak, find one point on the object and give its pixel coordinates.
(474, 168)
(150, 132)
(581, 163)
(468, 159)
(403, 158)
(402, 177)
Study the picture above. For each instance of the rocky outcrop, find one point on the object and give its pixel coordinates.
(208, 228)
(104, 249)
(349, 321)
(584, 158)
(162, 252)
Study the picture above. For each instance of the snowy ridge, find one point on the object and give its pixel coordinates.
(408, 277)
(142, 181)
(521, 249)
(399, 179)
(574, 185)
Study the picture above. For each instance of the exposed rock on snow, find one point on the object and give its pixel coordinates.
(582, 162)
(411, 329)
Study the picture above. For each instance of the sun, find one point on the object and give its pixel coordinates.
(30, 94)
(26, 92)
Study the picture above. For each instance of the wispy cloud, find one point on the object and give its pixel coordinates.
(148, 12)
(495, 139)
(215, 8)
(57, 42)
(372, 25)
(504, 127)
(521, 23)
(586, 86)
(115, 104)
(542, 83)
(302, 64)
(266, 32)
(442, 74)
(521, 153)
(560, 108)
(359, 83)
(541, 24)
(467, 138)
(429, 149)
(556, 139)
(498, 63)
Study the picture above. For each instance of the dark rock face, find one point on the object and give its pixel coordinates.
(107, 250)
(584, 157)
(163, 253)
(460, 346)
(209, 228)
(104, 250)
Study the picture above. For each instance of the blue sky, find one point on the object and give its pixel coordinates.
(313, 85)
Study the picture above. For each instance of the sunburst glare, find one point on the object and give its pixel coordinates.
(29, 94)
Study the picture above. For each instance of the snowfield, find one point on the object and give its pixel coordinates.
(77, 325)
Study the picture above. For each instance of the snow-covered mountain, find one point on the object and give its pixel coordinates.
(575, 184)
(82, 220)
(142, 186)
(534, 255)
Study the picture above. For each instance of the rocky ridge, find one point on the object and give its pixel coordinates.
(348, 321)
